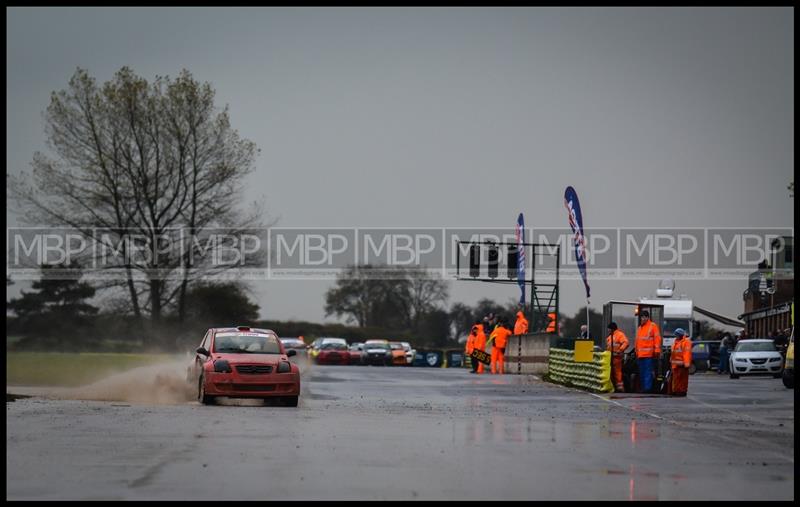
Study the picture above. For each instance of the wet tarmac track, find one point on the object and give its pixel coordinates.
(366, 433)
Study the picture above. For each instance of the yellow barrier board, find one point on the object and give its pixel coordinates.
(583, 351)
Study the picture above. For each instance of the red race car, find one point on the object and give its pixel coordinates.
(330, 351)
(243, 362)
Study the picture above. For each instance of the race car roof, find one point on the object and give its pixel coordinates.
(243, 329)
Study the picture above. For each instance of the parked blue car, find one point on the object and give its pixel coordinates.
(705, 356)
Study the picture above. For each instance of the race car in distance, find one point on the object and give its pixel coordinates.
(244, 362)
(355, 350)
(330, 351)
(296, 344)
(377, 352)
(410, 353)
(398, 354)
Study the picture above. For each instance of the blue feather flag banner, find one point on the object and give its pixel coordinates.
(576, 223)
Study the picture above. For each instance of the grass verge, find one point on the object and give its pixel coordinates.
(72, 369)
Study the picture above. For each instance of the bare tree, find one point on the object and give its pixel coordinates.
(355, 295)
(385, 296)
(423, 293)
(461, 319)
(153, 164)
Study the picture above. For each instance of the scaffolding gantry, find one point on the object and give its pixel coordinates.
(544, 297)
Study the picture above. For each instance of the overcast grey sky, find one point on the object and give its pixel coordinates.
(667, 117)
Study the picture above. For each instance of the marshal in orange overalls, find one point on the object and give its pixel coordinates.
(680, 359)
(521, 325)
(648, 350)
(479, 342)
(551, 324)
(617, 342)
(500, 336)
(470, 342)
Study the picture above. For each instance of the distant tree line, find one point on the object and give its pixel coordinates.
(407, 303)
(57, 314)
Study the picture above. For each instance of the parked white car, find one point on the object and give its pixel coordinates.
(410, 353)
(756, 357)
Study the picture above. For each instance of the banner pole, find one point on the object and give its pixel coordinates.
(588, 329)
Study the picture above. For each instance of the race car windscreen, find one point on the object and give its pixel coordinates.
(247, 343)
(376, 345)
(333, 346)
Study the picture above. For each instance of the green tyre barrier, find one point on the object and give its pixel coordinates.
(593, 376)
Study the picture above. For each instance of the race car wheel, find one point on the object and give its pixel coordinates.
(692, 369)
(291, 401)
(202, 397)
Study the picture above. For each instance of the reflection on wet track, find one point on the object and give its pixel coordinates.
(372, 433)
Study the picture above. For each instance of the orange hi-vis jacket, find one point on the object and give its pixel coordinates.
(681, 352)
(521, 325)
(470, 343)
(648, 340)
(551, 325)
(479, 340)
(620, 342)
(500, 336)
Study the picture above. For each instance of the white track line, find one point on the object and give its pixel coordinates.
(625, 406)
